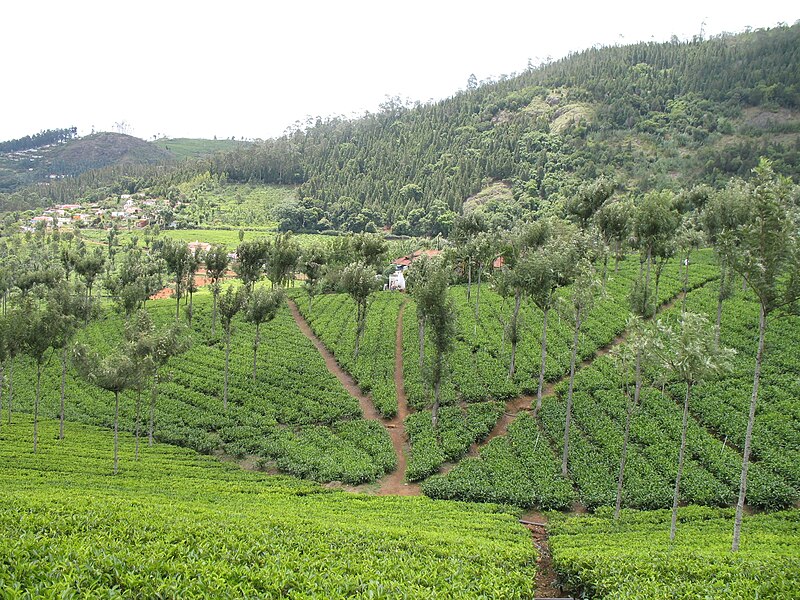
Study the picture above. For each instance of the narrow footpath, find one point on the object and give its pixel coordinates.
(547, 586)
(527, 403)
(394, 482)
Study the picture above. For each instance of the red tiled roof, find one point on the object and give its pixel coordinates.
(406, 260)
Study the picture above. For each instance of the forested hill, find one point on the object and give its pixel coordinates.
(59, 153)
(648, 115)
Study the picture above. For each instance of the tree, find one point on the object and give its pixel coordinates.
(139, 334)
(178, 258)
(370, 248)
(358, 281)
(583, 205)
(688, 238)
(417, 279)
(89, 266)
(113, 372)
(13, 344)
(725, 211)
(40, 330)
(137, 278)
(436, 309)
(151, 347)
(230, 303)
(628, 359)
(262, 306)
(465, 229)
(312, 265)
(550, 267)
(73, 308)
(283, 259)
(159, 345)
(582, 296)
(655, 222)
(515, 276)
(765, 250)
(251, 261)
(484, 252)
(216, 266)
(613, 220)
(688, 351)
(195, 258)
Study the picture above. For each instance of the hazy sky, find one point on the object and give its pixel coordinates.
(252, 68)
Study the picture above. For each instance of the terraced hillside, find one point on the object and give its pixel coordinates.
(295, 417)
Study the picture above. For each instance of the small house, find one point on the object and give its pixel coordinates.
(397, 281)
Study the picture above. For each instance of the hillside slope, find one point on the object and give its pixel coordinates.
(75, 156)
(648, 115)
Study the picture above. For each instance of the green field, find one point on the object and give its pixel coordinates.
(634, 558)
(193, 147)
(296, 417)
(178, 525)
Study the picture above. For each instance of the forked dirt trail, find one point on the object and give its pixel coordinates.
(393, 483)
(526, 403)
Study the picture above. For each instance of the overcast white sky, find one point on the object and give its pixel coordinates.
(252, 68)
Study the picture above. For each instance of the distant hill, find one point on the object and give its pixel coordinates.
(75, 156)
(645, 116)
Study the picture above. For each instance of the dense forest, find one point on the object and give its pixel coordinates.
(644, 116)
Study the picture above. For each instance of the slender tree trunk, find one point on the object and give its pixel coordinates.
(88, 304)
(138, 413)
(685, 285)
(227, 361)
(624, 456)
(191, 306)
(116, 430)
(720, 298)
(36, 405)
(477, 303)
(63, 391)
(565, 457)
(437, 389)
(676, 497)
(10, 388)
(421, 344)
(255, 351)
(543, 362)
(177, 301)
(153, 397)
(2, 377)
(214, 313)
(469, 278)
(737, 525)
(645, 301)
(605, 270)
(514, 317)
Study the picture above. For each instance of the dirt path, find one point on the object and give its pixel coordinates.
(526, 403)
(364, 401)
(393, 483)
(546, 578)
